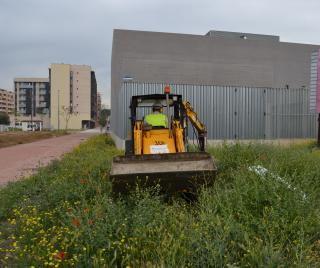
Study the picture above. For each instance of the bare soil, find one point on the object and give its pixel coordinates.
(20, 137)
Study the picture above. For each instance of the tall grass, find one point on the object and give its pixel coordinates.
(67, 215)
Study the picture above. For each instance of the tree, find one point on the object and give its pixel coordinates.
(41, 112)
(16, 115)
(102, 120)
(67, 112)
(104, 116)
(106, 112)
(4, 119)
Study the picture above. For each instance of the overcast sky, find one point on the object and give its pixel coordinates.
(35, 33)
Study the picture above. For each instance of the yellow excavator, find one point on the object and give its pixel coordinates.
(161, 155)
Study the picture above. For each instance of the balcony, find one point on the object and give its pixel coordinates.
(43, 105)
(26, 85)
(44, 111)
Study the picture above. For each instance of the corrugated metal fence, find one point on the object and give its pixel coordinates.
(313, 81)
(230, 112)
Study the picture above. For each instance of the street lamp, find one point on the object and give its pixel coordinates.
(58, 109)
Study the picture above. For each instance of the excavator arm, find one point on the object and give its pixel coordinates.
(198, 125)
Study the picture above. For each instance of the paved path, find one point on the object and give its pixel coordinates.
(22, 160)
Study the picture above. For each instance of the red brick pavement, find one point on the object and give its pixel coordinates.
(22, 160)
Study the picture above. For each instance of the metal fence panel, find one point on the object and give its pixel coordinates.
(313, 81)
(230, 112)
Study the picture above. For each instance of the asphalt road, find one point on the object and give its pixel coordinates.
(23, 160)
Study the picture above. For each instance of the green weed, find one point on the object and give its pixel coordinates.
(66, 215)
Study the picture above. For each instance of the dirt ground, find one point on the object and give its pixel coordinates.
(22, 160)
(21, 137)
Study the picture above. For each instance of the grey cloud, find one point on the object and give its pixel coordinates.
(35, 33)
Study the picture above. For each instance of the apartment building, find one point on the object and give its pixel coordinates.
(73, 96)
(6, 101)
(98, 105)
(32, 102)
(93, 99)
(32, 96)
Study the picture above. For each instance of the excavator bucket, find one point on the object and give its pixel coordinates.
(174, 172)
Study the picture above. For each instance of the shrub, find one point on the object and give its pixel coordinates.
(4, 119)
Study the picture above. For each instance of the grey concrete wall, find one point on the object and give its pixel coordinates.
(237, 35)
(195, 59)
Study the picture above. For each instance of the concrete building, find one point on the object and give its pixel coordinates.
(94, 99)
(214, 59)
(32, 96)
(217, 58)
(32, 100)
(98, 105)
(6, 101)
(73, 96)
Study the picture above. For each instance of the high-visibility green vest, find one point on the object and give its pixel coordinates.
(156, 120)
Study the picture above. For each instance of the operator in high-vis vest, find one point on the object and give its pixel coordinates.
(156, 118)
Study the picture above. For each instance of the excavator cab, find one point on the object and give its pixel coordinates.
(159, 155)
(149, 139)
